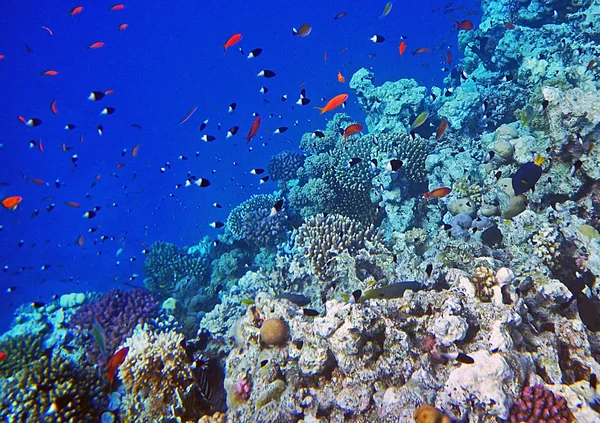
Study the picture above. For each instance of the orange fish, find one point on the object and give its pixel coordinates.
(341, 77)
(40, 146)
(37, 181)
(119, 6)
(231, 41)
(12, 202)
(438, 193)
(304, 30)
(49, 72)
(72, 204)
(96, 45)
(53, 107)
(135, 150)
(441, 129)
(107, 92)
(508, 25)
(120, 165)
(402, 48)
(355, 128)
(448, 57)
(253, 129)
(123, 26)
(325, 57)
(3, 355)
(336, 101)
(76, 10)
(80, 241)
(466, 25)
(421, 50)
(114, 363)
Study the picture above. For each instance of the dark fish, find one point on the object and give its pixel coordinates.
(187, 115)
(310, 312)
(266, 73)
(257, 171)
(207, 138)
(377, 38)
(354, 161)
(460, 357)
(394, 165)
(593, 381)
(527, 176)
(391, 291)
(216, 225)
(276, 208)
(232, 108)
(255, 53)
(340, 16)
(298, 299)
(492, 236)
(429, 270)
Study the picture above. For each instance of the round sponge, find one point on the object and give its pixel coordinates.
(274, 332)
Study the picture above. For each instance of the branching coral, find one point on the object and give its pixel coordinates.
(167, 264)
(285, 165)
(323, 238)
(251, 221)
(540, 404)
(20, 352)
(159, 381)
(52, 387)
(117, 312)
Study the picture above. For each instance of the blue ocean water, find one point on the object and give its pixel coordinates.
(168, 60)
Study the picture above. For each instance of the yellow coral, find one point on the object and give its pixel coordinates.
(158, 379)
(484, 281)
(428, 414)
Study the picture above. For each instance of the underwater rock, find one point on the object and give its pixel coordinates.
(504, 149)
(449, 329)
(462, 205)
(71, 300)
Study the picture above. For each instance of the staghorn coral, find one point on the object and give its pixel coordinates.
(250, 222)
(284, 165)
(78, 392)
(322, 238)
(20, 352)
(540, 404)
(166, 264)
(484, 281)
(118, 313)
(159, 381)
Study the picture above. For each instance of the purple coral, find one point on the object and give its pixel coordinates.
(118, 313)
(539, 404)
(242, 388)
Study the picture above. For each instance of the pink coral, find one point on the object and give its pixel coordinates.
(242, 388)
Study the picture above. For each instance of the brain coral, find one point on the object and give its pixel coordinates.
(284, 165)
(158, 379)
(321, 238)
(250, 221)
(118, 313)
(78, 391)
(166, 264)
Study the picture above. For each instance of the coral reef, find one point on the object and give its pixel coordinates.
(251, 222)
(284, 165)
(538, 403)
(159, 380)
(52, 386)
(166, 265)
(117, 313)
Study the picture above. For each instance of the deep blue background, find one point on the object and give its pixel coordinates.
(169, 59)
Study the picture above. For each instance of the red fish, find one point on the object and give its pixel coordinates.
(508, 25)
(135, 150)
(53, 107)
(325, 57)
(438, 193)
(80, 241)
(231, 41)
(47, 29)
(336, 101)
(466, 25)
(448, 58)
(123, 26)
(72, 204)
(119, 6)
(76, 10)
(49, 72)
(97, 44)
(114, 363)
(40, 145)
(108, 92)
(441, 129)
(3, 355)
(37, 181)
(421, 50)
(402, 48)
(1, 56)
(12, 202)
(253, 129)
(355, 128)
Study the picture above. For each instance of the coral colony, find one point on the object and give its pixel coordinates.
(350, 296)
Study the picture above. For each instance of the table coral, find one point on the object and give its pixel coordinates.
(117, 312)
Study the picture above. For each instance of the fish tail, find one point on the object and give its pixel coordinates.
(322, 109)
(539, 160)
